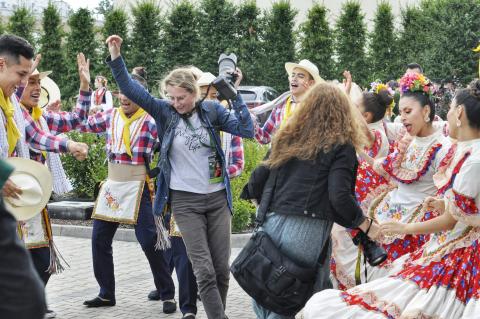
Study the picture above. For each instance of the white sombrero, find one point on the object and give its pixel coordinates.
(307, 66)
(50, 91)
(206, 79)
(35, 181)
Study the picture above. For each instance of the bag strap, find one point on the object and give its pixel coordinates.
(266, 198)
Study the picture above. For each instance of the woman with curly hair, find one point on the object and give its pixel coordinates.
(313, 156)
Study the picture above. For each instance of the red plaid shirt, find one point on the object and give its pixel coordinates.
(264, 134)
(235, 167)
(142, 146)
(42, 140)
(62, 122)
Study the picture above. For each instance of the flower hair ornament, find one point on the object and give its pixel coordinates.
(414, 82)
(377, 86)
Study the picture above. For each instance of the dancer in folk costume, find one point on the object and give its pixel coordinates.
(37, 232)
(440, 280)
(301, 76)
(101, 98)
(126, 197)
(372, 105)
(19, 131)
(411, 166)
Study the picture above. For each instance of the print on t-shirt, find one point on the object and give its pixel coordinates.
(194, 138)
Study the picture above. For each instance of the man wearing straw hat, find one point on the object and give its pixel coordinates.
(301, 76)
(19, 131)
(126, 197)
(39, 91)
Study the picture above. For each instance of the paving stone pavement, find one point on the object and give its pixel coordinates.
(67, 291)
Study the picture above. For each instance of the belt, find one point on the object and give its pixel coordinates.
(126, 172)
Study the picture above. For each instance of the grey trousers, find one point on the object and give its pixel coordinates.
(205, 223)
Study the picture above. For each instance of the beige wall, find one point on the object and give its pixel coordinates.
(302, 6)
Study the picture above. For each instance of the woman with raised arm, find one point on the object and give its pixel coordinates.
(190, 159)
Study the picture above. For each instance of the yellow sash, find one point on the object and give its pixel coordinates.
(36, 113)
(126, 127)
(288, 111)
(13, 134)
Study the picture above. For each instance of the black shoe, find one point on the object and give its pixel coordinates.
(97, 302)
(169, 307)
(154, 295)
(50, 314)
(189, 316)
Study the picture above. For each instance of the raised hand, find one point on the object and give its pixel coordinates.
(83, 71)
(347, 81)
(114, 43)
(36, 62)
(239, 77)
(55, 106)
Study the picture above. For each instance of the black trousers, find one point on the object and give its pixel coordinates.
(22, 294)
(41, 262)
(102, 253)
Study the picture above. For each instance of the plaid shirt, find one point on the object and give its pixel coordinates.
(264, 134)
(42, 140)
(236, 163)
(142, 146)
(62, 122)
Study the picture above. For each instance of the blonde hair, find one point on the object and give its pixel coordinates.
(184, 78)
(325, 118)
(103, 80)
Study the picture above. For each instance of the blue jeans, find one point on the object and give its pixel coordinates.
(145, 231)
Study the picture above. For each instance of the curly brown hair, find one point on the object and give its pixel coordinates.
(325, 118)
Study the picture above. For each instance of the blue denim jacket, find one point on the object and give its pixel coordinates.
(212, 114)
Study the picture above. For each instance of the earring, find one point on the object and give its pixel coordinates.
(426, 119)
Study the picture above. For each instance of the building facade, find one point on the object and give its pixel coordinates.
(7, 7)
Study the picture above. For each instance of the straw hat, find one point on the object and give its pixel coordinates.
(205, 79)
(35, 181)
(41, 75)
(307, 66)
(49, 92)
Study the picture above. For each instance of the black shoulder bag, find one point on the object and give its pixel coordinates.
(275, 281)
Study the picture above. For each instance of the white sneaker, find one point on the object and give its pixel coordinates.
(50, 314)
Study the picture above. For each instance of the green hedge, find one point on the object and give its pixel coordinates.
(244, 211)
(85, 174)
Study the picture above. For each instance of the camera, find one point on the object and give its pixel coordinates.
(374, 253)
(225, 82)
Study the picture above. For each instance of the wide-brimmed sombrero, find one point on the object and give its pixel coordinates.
(50, 91)
(35, 181)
